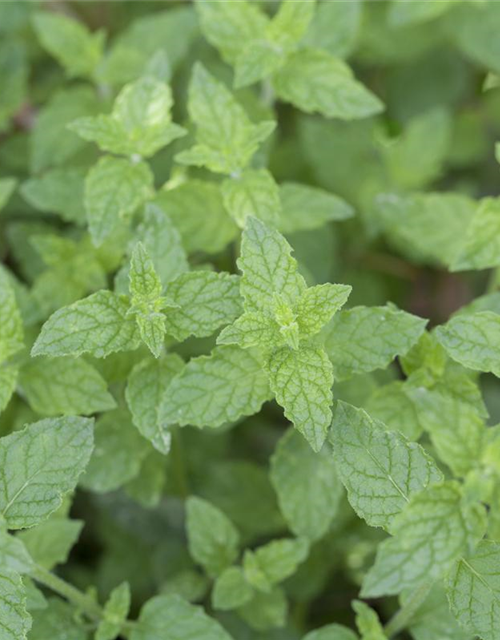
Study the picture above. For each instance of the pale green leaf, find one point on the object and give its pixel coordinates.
(480, 246)
(405, 12)
(253, 193)
(266, 610)
(114, 189)
(335, 27)
(51, 541)
(147, 487)
(307, 486)
(16, 621)
(305, 207)
(434, 620)
(231, 26)
(473, 591)
(97, 325)
(434, 530)
(11, 324)
(473, 340)
(393, 405)
(226, 138)
(8, 383)
(212, 538)
(169, 617)
(206, 301)
(272, 563)
(59, 191)
(215, 389)
(250, 330)
(268, 268)
(316, 82)
(302, 383)
(14, 555)
(380, 469)
(56, 621)
(231, 590)
(363, 339)
(368, 622)
(55, 386)
(118, 453)
(115, 613)
(7, 186)
(39, 465)
(145, 388)
(255, 62)
(318, 304)
(290, 22)
(197, 210)
(69, 41)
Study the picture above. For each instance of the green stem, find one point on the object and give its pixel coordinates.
(81, 600)
(178, 466)
(403, 617)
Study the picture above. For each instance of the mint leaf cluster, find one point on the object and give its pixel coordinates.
(249, 320)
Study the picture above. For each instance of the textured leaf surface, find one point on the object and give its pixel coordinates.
(206, 301)
(145, 388)
(215, 389)
(367, 338)
(318, 304)
(11, 324)
(316, 82)
(231, 590)
(302, 383)
(114, 189)
(97, 325)
(272, 563)
(473, 340)
(172, 618)
(39, 465)
(307, 486)
(115, 613)
(473, 590)
(253, 193)
(15, 621)
(380, 469)
(212, 538)
(55, 386)
(481, 246)
(435, 529)
(268, 268)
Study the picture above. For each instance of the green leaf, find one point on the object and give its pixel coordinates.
(291, 22)
(433, 620)
(257, 61)
(367, 338)
(305, 207)
(253, 193)
(145, 388)
(147, 302)
(226, 138)
(197, 210)
(331, 631)
(317, 305)
(118, 454)
(59, 191)
(231, 590)
(302, 383)
(7, 186)
(394, 405)
(473, 590)
(434, 530)
(178, 619)
(368, 622)
(69, 41)
(268, 268)
(251, 330)
(266, 610)
(212, 538)
(272, 563)
(39, 465)
(402, 12)
(13, 554)
(380, 469)
(11, 324)
(231, 26)
(114, 189)
(56, 621)
(480, 247)
(55, 386)
(307, 486)
(473, 340)
(8, 383)
(335, 27)
(16, 621)
(316, 82)
(206, 300)
(97, 325)
(50, 543)
(115, 613)
(139, 124)
(216, 389)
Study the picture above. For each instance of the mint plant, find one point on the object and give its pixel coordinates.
(249, 320)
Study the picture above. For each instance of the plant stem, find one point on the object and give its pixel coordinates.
(401, 619)
(81, 600)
